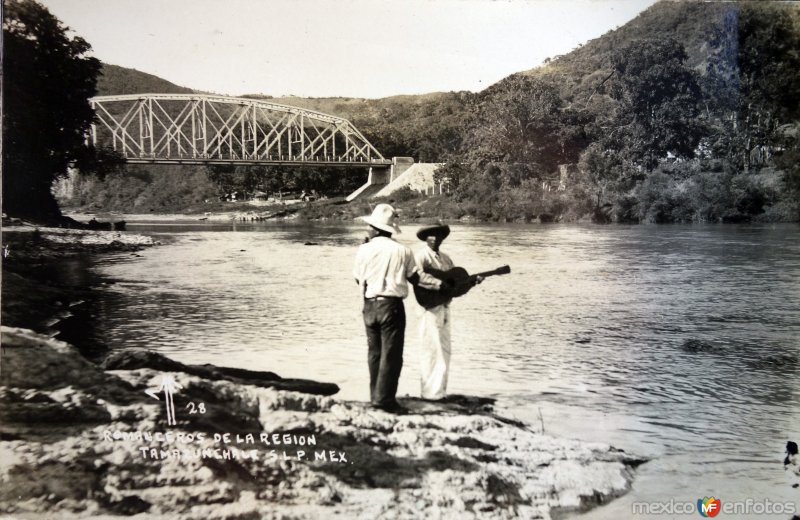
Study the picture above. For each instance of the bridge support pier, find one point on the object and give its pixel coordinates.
(380, 177)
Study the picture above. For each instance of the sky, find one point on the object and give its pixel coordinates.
(351, 48)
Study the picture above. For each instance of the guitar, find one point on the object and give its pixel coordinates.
(462, 282)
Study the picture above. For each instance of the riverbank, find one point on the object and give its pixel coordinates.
(411, 207)
(693, 196)
(34, 295)
(63, 415)
(416, 208)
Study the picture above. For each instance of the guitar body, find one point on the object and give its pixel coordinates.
(460, 280)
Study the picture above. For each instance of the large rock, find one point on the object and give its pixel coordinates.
(48, 390)
(31, 360)
(135, 359)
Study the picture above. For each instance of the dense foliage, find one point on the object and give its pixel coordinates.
(47, 79)
(165, 189)
(140, 189)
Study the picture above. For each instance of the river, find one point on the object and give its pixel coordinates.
(679, 343)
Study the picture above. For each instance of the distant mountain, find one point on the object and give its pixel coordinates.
(349, 107)
(115, 80)
(425, 126)
(714, 35)
(691, 23)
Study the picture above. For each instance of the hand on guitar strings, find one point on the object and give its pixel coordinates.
(448, 286)
(475, 280)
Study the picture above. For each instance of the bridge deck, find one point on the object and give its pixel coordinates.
(259, 162)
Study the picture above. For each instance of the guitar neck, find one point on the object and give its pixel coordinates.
(500, 270)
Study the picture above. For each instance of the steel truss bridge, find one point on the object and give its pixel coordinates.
(207, 129)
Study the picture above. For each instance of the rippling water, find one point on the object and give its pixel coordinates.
(676, 342)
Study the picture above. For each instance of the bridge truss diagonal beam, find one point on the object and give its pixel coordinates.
(197, 129)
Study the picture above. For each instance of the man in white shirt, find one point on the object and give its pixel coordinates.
(382, 269)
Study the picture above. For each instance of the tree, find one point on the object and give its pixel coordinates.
(521, 131)
(520, 123)
(606, 172)
(47, 81)
(768, 58)
(655, 116)
(658, 103)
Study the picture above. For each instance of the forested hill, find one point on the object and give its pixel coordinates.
(693, 24)
(713, 34)
(115, 80)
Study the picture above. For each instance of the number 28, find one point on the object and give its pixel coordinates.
(200, 408)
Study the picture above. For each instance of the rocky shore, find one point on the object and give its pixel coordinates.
(80, 439)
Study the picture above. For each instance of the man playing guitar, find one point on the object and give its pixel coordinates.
(434, 325)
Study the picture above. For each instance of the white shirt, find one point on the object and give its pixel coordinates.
(384, 266)
(427, 257)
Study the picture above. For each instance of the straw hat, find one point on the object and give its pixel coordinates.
(384, 218)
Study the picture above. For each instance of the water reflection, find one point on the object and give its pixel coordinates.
(678, 341)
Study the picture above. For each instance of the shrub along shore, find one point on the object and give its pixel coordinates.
(684, 194)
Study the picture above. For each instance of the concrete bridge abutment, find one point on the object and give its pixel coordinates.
(381, 176)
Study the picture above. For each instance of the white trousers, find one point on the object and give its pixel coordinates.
(434, 329)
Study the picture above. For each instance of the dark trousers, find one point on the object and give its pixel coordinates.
(385, 321)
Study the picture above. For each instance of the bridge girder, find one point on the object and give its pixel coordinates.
(208, 129)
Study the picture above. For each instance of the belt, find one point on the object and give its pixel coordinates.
(378, 298)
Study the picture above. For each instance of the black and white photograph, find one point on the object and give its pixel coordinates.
(453, 259)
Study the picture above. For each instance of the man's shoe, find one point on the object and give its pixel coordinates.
(398, 410)
(393, 408)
